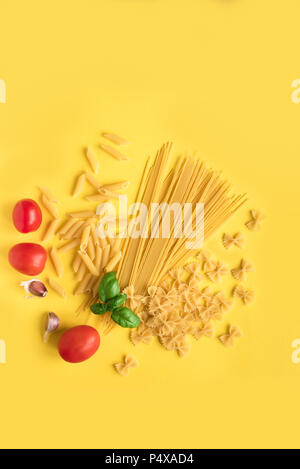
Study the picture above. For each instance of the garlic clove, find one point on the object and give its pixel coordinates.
(52, 323)
(35, 287)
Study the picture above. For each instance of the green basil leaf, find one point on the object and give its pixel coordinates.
(105, 287)
(98, 308)
(125, 317)
(116, 302)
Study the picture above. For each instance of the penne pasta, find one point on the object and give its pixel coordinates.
(56, 287)
(105, 256)
(48, 194)
(82, 214)
(66, 226)
(98, 258)
(76, 263)
(113, 152)
(116, 186)
(81, 271)
(78, 188)
(68, 246)
(81, 287)
(92, 160)
(85, 237)
(56, 262)
(49, 206)
(88, 262)
(113, 262)
(92, 180)
(94, 235)
(115, 138)
(50, 230)
(91, 248)
(96, 198)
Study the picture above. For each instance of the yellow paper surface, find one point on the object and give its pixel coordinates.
(210, 75)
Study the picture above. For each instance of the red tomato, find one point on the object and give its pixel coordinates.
(28, 258)
(27, 216)
(78, 343)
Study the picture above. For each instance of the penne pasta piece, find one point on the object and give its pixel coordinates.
(113, 262)
(95, 236)
(88, 262)
(98, 258)
(81, 271)
(105, 256)
(82, 214)
(50, 230)
(116, 245)
(73, 230)
(102, 243)
(56, 262)
(113, 152)
(48, 194)
(78, 188)
(96, 286)
(76, 263)
(109, 194)
(91, 248)
(116, 186)
(85, 237)
(81, 287)
(92, 180)
(56, 287)
(115, 138)
(92, 160)
(66, 226)
(49, 206)
(68, 246)
(96, 198)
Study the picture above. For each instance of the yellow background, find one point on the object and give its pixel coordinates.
(210, 75)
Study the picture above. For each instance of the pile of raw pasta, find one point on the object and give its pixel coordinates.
(173, 298)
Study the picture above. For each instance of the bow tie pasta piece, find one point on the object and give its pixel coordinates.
(254, 223)
(240, 272)
(237, 240)
(234, 332)
(218, 272)
(247, 296)
(123, 367)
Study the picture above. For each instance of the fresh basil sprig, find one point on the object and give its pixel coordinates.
(112, 300)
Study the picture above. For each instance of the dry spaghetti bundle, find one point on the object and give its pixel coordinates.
(148, 258)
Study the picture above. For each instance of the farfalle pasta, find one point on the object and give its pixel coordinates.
(237, 240)
(123, 367)
(218, 271)
(240, 272)
(233, 333)
(247, 296)
(254, 223)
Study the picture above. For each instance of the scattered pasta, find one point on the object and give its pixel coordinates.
(56, 262)
(247, 296)
(240, 272)
(115, 138)
(92, 160)
(113, 152)
(254, 223)
(57, 288)
(123, 367)
(50, 230)
(237, 240)
(233, 333)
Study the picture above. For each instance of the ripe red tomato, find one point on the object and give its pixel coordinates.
(27, 216)
(28, 258)
(78, 343)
